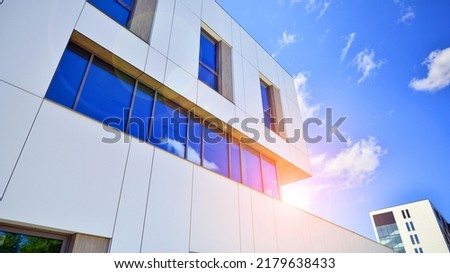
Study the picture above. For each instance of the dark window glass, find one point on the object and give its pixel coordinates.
(21, 243)
(207, 77)
(106, 95)
(252, 169)
(266, 105)
(215, 154)
(403, 214)
(235, 159)
(412, 239)
(194, 152)
(139, 123)
(420, 250)
(119, 10)
(412, 226)
(407, 227)
(417, 238)
(208, 61)
(407, 214)
(416, 250)
(169, 127)
(270, 179)
(68, 76)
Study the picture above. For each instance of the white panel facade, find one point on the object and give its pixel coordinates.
(184, 44)
(215, 103)
(167, 221)
(156, 65)
(236, 36)
(162, 26)
(18, 109)
(129, 225)
(246, 219)
(112, 36)
(215, 213)
(248, 46)
(194, 5)
(267, 66)
(253, 101)
(32, 48)
(216, 18)
(287, 222)
(265, 234)
(181, 81)
(238, 80)
(70, 187)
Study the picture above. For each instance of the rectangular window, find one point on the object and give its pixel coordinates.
(208, 67)
(169, 129)
(272, 110)
(412, 226)
(407, 214)
(403, 214)
(235, 161)
(420, 250)
(18, 240)
(417, 238)
(195, 131)
(251, 165)
(407, 227)
(119, 10)
(416, 250)
(215, 149)
(412, 239)
(270, 178)
(267, 106)
(106, 95)
(142, 106)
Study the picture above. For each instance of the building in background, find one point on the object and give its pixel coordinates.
(416, 227)
(148, 126)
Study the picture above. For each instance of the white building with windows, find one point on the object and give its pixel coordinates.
(416, 227)
(148, 126)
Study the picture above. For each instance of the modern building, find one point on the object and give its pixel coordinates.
(148, 126)
(416, 227)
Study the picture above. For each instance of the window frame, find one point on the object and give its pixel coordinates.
(65, 238)
(216, 43)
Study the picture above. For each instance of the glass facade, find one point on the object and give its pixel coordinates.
(118, 10)
(267, 106)
(88, 85)
(208, 67)
(389, 236)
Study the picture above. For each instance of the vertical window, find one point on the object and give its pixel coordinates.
(106, 95)
(119, 10)
(417, 238)
(403, 214)
(270, 179)
(412, 226)
(215, 154)
(208, 68)
(267, 106)
(412, 239)
(68, 76)
(169, 127)
(235, 161)
(142, 106)
(194, 149)
(407, 227)
(420, 250)
(416, 250)
(252, 169)
(407, 214)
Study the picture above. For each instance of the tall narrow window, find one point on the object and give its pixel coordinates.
(267, 106)
(272, 109)
(417, 238)
(407, 227)
(270, 179)
(407, 214)
(412, 239)
(215, 154)
(142, 106)
(403, 214)
(208, 67)
(235, 161)
(252, 169)
(412, 226)
(119, 10)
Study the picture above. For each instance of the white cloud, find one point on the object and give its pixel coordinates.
(286, 39)
(407, 13)
(356, 164)
(366, 64)
(438, 63)
(324, 9)
(307, 109)
(350, 39)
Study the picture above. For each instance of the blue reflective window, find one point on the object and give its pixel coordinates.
(270, 179)
(68, 76)
(119, 10)
(417, 238)
(169, 127)
(407, 227)
(252, 169)
(235, 160)
(194, 152)
(215, 154)
(139, 123)
(208, 61)
(266, 105)
(412, 226)
(106, 95)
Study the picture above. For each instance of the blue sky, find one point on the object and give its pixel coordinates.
(383, 64)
